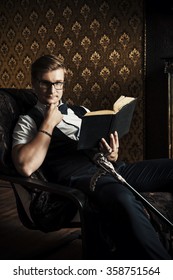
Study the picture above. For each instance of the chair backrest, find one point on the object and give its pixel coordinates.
(12, 103)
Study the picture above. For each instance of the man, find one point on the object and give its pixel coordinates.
(48, 135)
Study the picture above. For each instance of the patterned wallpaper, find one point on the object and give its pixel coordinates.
(101, 43)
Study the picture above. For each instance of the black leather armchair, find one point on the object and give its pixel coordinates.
(12, 103)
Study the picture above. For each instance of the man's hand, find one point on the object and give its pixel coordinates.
(53, 116)
(110, 150)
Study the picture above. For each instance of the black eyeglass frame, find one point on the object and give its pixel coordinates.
(44, 84)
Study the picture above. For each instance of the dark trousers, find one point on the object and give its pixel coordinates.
(132, 231)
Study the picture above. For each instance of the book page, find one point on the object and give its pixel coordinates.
(100, 112)
(121, 102)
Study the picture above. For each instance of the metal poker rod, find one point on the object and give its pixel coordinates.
(102, 161)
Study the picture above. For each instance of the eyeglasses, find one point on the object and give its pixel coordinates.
(45, 85)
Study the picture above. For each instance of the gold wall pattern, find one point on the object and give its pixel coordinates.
(100, 42)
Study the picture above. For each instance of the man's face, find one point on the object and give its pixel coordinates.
(49, 87)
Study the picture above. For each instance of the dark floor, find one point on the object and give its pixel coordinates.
(18, 242)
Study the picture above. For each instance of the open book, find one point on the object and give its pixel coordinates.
(100, 124)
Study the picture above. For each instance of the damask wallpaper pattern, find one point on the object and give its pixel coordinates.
(100, 42)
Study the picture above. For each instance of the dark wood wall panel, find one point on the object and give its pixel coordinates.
(159, 44)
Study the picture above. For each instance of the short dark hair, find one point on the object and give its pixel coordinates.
(45, 64)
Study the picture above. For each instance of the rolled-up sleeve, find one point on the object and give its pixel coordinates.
(24, 130)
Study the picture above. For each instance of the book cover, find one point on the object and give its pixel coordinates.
(101, 125)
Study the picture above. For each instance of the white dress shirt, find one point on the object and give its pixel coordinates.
(26, 128)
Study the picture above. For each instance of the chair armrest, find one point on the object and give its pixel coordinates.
(75, 195)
